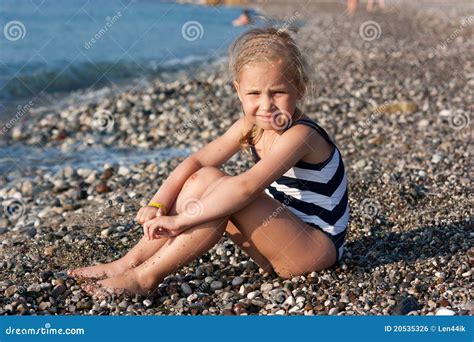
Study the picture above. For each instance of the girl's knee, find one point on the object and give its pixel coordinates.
(205, 175)
(210, 172)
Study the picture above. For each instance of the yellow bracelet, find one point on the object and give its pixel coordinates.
(158, 205)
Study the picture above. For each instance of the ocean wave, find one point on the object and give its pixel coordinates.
(40, 79)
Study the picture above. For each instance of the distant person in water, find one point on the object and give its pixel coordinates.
(243, 19)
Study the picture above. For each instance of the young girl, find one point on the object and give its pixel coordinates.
(289, 212)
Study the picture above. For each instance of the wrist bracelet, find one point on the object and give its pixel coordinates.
(158, 205)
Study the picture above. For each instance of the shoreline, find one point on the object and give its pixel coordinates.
(394, 106)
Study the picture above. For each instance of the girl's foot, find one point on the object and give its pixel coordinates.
(108, 270)
(99, 292)
(124, 283)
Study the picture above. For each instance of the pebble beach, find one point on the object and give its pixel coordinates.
(395, 90)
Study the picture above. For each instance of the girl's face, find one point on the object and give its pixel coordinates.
(267, 95)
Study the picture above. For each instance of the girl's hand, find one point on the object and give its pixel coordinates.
(163, 226)
(147, 213)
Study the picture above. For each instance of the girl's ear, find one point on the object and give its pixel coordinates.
(237, 88)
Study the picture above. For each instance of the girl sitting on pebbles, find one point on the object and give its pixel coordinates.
(289, 212)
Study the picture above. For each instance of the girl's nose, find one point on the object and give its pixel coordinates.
(266, 102)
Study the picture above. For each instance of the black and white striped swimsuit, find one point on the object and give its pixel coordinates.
(316, 193)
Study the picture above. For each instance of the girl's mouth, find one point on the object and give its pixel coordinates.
(265, 118)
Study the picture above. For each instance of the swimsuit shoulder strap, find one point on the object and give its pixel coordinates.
(318, 128)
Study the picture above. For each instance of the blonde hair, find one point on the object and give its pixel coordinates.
(268, 44)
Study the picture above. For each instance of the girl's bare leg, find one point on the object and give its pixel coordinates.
(139, 253)
(177, 251)
(174, 254)
(194, 187)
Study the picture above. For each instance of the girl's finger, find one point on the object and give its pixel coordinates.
(159, 212)
(142, 215)
(147, 227)
(145, 230)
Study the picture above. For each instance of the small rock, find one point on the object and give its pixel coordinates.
(123, 171)
(227, 312)
(34, 288)
(237, 281)
(11, 291)
(295, 308)
(406, 305)
(445, 312)
(49, 250)
(84, 305)
(148, 302)
(290, 301)
(444, 302)
(333, 311)
(436, 158)
(107, 174)
(30, 232)
(58, 290)
(239, 309)
(102, 188)
(186, 289)
(107, 231)
(253, 294)
(216, 285)
(44, 305)
(266, 287)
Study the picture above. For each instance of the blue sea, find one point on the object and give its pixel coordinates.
(57, 49)
(50, 46)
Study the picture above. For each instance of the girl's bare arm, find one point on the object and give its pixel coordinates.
(234, 193)
(214, 154)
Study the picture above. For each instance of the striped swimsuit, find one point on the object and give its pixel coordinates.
(316, 193)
